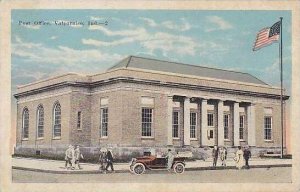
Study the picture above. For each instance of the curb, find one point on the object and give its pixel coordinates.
(127, 171)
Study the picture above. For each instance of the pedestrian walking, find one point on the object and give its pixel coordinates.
(78, 156)
(102, 160)
(247, 156)
(69, 156)
(239, 158)
(223, 155)
(215, 153)
(109, 160)
(170, 158)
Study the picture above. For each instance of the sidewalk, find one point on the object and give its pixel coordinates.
(54, 166)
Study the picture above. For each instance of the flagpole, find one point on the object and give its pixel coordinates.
(281, 88)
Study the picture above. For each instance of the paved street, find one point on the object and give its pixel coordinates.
(258, 175)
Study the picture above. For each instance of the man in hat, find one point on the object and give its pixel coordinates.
(69, 156)
(102, 160)
(170, 158)
(78, 155)
(247, 156)
(109, 159)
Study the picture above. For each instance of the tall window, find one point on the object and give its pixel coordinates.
(226, 126)
(104, 122)
(193, 124)
(57, 121)
(40, 121)
(268, 128)
(175, 124)
(79, 120)
(147, 121)
(25, 124)
(242, 126)
(210, 119)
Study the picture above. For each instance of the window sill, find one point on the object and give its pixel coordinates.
(193, 139)
(40, 138)
(227, 140)
(56, 138)
(79, 129)
(104, 137)
(26, 139)
(176, 138)
(269, 141)
(150, 138)
(242, 140)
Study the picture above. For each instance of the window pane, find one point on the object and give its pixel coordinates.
(268, 128)
(79, 120)
(57, 121)
(175, 124)
(147, 121)
(40, 128)
(210, 119)
(241, 129)
(25, 123)
(193, 125)
(104, 122)
(226, 124)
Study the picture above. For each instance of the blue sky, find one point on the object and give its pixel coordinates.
(221, 39)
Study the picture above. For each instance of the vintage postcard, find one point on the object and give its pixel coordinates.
(155, 95)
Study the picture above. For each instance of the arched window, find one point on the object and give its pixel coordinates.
(40, 121)
(57, 121)
(25, 124)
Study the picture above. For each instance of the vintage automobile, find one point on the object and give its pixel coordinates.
(140, 164)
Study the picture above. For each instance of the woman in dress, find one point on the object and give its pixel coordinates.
(239, 158)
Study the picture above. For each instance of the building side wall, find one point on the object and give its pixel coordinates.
(48, 104)
(132, 119)
(114, 118)
(80, 102)
(276, 126)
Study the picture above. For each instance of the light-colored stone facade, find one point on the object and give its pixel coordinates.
(123, 89)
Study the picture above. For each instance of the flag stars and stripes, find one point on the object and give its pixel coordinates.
(267, 36)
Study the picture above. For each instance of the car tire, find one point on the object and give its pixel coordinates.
(178, 168)
(139, 168)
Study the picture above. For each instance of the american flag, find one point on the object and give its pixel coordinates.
(267, 36)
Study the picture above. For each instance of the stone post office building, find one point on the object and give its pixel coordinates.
(142, 103)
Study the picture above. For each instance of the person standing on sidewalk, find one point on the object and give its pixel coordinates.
(170, 158)
(247, 156)
(102, 160)
(109, 159)
(69, 155)
(223, 155)
(78, 155)
(239, 158)
(215, 153)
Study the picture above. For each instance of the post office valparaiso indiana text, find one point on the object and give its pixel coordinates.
(141, 104)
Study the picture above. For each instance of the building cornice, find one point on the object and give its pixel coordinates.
(91, 85)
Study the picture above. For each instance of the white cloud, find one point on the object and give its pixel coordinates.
(219, 23)
(149, 21)
(34, 27)
(96, 18)
(61, 55)
(164, 42)
(154, 41)
(182, 26)
(127, 32)
(53, 37)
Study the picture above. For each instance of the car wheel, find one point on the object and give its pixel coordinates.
(139, 168)
(179, 168)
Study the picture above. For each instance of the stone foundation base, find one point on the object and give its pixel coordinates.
(124, 154)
